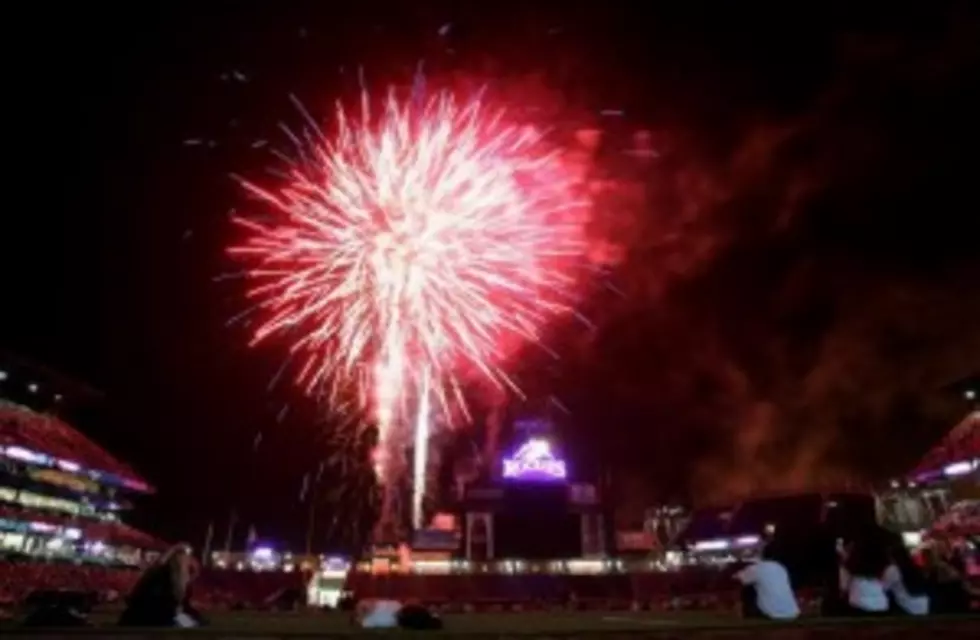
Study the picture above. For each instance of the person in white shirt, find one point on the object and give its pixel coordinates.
(378, 614)
(866, 595)
(861, 576)
(905, 581)
(773, 593)
(913, 602)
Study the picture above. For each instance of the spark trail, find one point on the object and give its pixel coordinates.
(409, 250)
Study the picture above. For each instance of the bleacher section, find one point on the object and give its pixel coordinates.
(61, 495)
(19, 579)
(23, 429)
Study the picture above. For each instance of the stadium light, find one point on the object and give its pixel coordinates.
(960, 468)
(3, 375)
(969, 394)
(32, 387)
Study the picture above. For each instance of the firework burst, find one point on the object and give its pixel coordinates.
(409, 250)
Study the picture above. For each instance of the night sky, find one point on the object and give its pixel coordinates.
(790, 280)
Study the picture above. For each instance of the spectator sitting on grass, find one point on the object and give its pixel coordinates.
(767, 592)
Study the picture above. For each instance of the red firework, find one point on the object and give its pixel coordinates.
(414, 248)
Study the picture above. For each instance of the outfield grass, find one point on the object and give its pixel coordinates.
(705, 626)
(312, 623)
(479, 623)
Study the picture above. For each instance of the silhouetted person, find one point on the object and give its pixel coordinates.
(160, 593)
(417, 617)
(949, 590)
(830, 554)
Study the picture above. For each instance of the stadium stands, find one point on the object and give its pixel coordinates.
(19, 579)
(961, 445)
(61, 495)
(27, 432)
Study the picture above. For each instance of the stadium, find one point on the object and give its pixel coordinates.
(532, 546)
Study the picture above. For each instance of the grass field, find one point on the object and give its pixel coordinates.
(303, 623)
(539, 624)
(491, 623)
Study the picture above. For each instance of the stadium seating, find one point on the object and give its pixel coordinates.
(44, 432)
(18, 580)
(245, 589)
